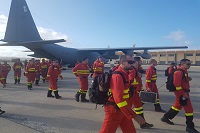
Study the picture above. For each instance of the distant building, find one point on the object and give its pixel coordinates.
(167, 57)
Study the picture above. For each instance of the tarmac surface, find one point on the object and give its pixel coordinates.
(30, 111)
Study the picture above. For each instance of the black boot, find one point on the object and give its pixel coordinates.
(1, 111)
(83, 99)
(29, 87)
(49, 93)
(18, 81)
(56, 95)
(15, 81)
(169, 115)
(158, 108)
(43, 80)
(191, 130)
(77, 96)
(5, 81)
(37, 82)
(145, 125)
(190, 125)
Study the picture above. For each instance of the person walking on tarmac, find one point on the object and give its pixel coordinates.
(44, 69)
(17, 66)
(38, 71)
(82, 71)
(118, 111)
(5, 68)
(151, 86)
(52, 75)
(98, 67)
(1, 77)
(30, 73)
(182, 97)
(135, 78)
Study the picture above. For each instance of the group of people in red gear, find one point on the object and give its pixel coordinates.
(124, 97)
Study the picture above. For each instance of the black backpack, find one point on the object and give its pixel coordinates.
(170, 80)
(166, 72)
(99, 91)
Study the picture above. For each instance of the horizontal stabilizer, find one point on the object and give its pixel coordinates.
(33, 42)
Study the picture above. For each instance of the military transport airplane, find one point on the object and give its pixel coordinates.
(21, 31)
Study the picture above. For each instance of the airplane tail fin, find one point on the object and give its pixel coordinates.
(20, 26)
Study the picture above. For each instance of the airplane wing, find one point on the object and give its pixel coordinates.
(130, 48)
(109, 53)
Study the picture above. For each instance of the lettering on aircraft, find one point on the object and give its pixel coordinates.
(25, 9)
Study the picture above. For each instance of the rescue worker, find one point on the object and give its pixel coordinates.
(37, 74)
(30, 73)
(135, 88)
(1, 77)
(5, 68)
(118, 112)
(43, 69)
(140, 71)
(151, 86)
(17, 66)
(82, 71)
(182, 91)
(172, 68)
(52, 76)
(98, 67)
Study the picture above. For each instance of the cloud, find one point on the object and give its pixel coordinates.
(179, 38)
(44, 33)
(176, 35)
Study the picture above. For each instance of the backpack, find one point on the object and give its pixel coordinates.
(166, 72)
(99, 91)
(170, 80)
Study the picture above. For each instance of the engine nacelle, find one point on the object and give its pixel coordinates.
(110, 55)
(144, 55)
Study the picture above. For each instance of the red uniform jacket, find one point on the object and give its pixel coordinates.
(37, 67)
(53, 73)
(115, 68)
(171, 68)
(133, 74)
(81, 70)
(182, 84)
(17, 66)
(151, 76)
(98, 68)
(30, 69)
(43, 66)
(5, 68)
(121, 93)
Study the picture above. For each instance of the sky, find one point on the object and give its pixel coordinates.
(114, 23)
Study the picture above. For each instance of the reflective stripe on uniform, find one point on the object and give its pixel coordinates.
(188, 114)
(148, 81)
(178, 88)
(122, 104)
(175, 108)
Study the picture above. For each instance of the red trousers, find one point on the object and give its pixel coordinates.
(114, 118)
(30, 77)
(83, 82)
(188, 108)
(53, 84)
(137, 103)
(17, 74)
(4, 74)
(44, 73)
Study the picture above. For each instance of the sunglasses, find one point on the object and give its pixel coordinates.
(188, 64)
(130, 61)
